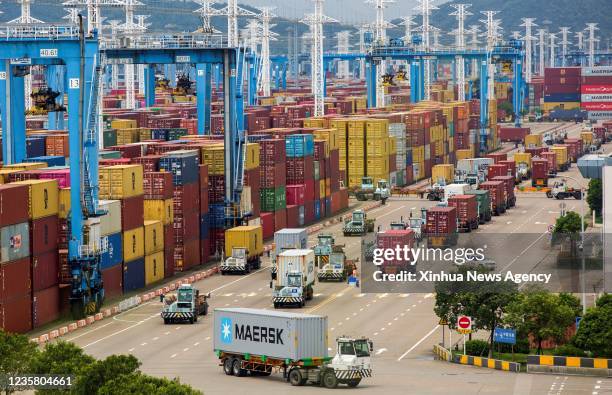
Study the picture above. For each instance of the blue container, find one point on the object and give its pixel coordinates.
(253, 138)
(49, 160)
(133, 275)
(216, 216)
(328, 211)
(561, 97)
(204, 226)
(408, 156)
(299, 145)
(317, 209)
(114, 255)
(35, 146)
(301, 216)
(160, 134)
(183, 165)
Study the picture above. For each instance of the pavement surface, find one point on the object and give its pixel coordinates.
(403, 327)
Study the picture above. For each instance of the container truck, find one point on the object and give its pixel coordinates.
(575, 148)
(533, 141)
(472, 171)
(563, 162)
(258, 342)
(184, 306)
(497, 170)
(551, 158)
(508, 190)
(467, 211)
(358, 225)
(539, 172)
(288, 239)
(367, 191)
(561, 191)
(441, 227)
(455, 189)
(523, 165)
(330, 260)
(390, 239)
(244, 248)
(295, 277)
(484, 204)
(496, 190)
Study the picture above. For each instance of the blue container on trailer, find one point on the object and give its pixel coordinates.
(35, 146)
(183, 164)
(317, 209)
(49, 160)
(133, 275)
(216, 214)
(114, 254)
(299, 145)
(204, 226)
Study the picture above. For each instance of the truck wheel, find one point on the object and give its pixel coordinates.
(275, 305)
(166, 321)
(578, 196)
(237, 368)
(295, 377)
(353, 383)
(227, 366)
(191, 320)
(330, 380)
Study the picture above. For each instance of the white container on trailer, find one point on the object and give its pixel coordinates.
(295, 261)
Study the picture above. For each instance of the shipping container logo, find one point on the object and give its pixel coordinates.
(226, 330)
(15, 242)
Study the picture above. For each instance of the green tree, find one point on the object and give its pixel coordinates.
(97, 374)
(604, 300)
(61, 358)
(17, 352)
(484, 301)
(595, 196)
(140, 384)
(570, 223)
(540, 313)
(572, 301)
(595, 331)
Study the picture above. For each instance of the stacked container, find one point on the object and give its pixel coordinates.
(595, 88)
(15, 266)
(301, 182)
(274, 165)
(111, 261)
(159, 206)
(562, 88)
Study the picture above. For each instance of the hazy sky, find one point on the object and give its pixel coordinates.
(347, 11)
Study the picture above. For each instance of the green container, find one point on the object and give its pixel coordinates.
(109, 138)
(484, 202)
(273, 199)
(109, 155)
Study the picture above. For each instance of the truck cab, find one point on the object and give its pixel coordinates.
(351, 363)
(295, 278)
(237, 263)
(186, 305)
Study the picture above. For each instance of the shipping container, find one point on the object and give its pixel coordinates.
(157, 186)
(154, 267)
(16, 314)
(467, 211)
(43, 197)
(133, 275)
(45, 306)
(45, 270)
(484, 204)
(509, 184)
(114, 253)
(15, 279)
(184, 166)
(496, 190)
(551, 157)
(441, 221)
(249, 237)
(297, 336)
(120, 182)
(133, 244)
(390, 240)
(563, 161)
(159, 210)
(539, 172)
(13, 204)
(14, 242)
(43, 235)
(132, 212)
(153, 237)
(290, 238)
(113, 281)
(513, 134)
(111, 222)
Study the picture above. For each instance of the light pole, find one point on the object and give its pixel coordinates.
(582, 199)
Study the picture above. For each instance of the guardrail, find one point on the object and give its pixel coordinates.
(569, 365)
(487, 363)
(442, 353)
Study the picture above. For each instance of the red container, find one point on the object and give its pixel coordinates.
(187, 255)
(267, 224)
(498, 200)
(186, 198)
(129, 151)
(113, 281)
(204, 250)
(272, 151)
(295, 194)
(16, 314)
(280, 219)
(561, 88)
(390, 239)
(539, 172)
(169, 262)
(508, 189)
(574, 148)
(510, 166)
(300, 169)
(562, 72)
(149, 163)
(498, 157)
(132, 212)
(15, 279)
(496, 170)
(186, 227)
(441, 221)
(596, 88)
(157, 186)
(13, 204)
(293, 213)
(467, 210)
(513, 134)
(43, 235)
(45, 306)
(45, 270)
(551, 158)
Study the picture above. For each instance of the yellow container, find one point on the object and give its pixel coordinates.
(133, 244)
(377, 127)
(214, 157)
(145, 134)
(549, 106)
(587, 138)
(356, 127)
(523, 157)
(121, 182)
(377, 147)
(154, 268)
(4, 174)
(356, 166)
(354, 181)
(322, 189)
(329, 135)
(464, 154)
(159, 210)
(153, 236)
(314, 123)
(26, 166)
(43, 197)
(251, 161)
(249, 237)
(64, 203)
(443, 172)
(128, 136)
(392, 145)
(123, 124)
(562, 155)
(533, 140)
(378, 167)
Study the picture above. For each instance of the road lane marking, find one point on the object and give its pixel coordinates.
(522, 252)
(419, 342)
(131, 349)
(185, 349)
(166, 333)
(196, 344)
(326, 301)
(380, 351)
(207, 338)
(143, 344)
(88, 332)
(390, 212)
(155, 338)
(173, 355)
(375, 333)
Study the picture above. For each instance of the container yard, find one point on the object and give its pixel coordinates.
(231, 160)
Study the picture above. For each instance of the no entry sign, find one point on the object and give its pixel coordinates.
(464, 324)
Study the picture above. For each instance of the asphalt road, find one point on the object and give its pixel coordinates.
(403, 327)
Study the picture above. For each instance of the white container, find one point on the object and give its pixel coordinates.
(295, 261)
(289, 239)
(455, 189)
(111, 222)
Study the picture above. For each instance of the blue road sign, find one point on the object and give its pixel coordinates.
(578, 319)
(502, 335)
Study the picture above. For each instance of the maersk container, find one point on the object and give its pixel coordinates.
(273, 334)
(286, 239)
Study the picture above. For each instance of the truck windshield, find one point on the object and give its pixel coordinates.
(346, 348)
(184, 295)
(294, 280)
(358, 217)
(362, 348)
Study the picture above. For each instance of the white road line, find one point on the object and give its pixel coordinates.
(88, 332)
(375, 333)
(380, 351)
(389, 213)
(177, 328)
(143, 344)
(196, 344)
(417, 343)
(185, 349)
(207, 338)
(166, 333)
(173, 355)
(131, 349)
(332, 329)
(414, 305)
(155, 338)
(522, 252)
